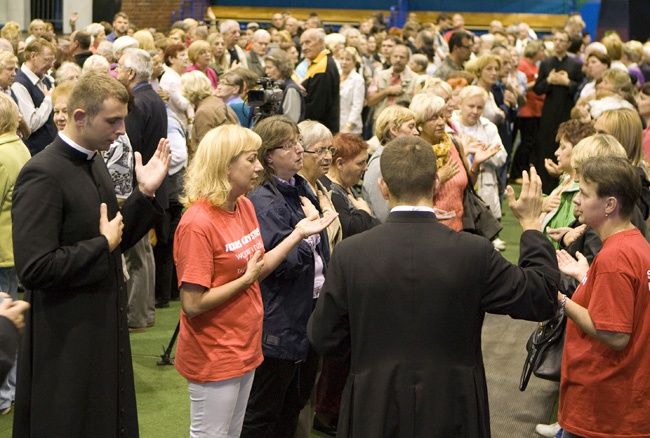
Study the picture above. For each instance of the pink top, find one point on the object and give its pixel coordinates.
(450, 196)
(211, 74)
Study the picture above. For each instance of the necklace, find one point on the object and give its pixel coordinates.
(241, 223)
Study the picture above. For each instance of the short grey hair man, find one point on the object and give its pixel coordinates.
(140, 62)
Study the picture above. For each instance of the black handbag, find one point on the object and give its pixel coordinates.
(545, 347)
(477, 216)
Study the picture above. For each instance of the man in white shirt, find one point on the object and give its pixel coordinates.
(33, 88)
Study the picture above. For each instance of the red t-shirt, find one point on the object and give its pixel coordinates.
(534, 102)
(604, 392)
(212, 247)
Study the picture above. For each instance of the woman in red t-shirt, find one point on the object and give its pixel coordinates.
(220, 257)
(605, 363)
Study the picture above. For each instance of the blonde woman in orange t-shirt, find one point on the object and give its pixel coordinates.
(220, 257)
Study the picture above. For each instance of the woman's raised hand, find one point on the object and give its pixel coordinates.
(576, 268)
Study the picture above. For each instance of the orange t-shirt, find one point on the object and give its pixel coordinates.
(212, 247)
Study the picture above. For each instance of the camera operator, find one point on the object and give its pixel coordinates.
(279, 67)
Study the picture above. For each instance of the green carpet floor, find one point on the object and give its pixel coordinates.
(163, 400)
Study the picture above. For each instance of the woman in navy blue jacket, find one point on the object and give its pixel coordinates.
(289, 294)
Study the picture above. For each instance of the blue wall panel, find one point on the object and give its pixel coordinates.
(506, 6)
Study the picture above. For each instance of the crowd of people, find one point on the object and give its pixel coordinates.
(136, 171)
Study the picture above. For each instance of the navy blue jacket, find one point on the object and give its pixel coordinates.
(287, 292)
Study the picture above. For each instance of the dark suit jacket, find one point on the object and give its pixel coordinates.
(256, 64)
(413, 314)
(556, 109)
(322, 102)
(75, 377)
(146, 124)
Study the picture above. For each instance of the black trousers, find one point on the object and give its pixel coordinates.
(528, 127)
(280, 390)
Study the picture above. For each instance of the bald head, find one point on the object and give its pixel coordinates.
(261, 40)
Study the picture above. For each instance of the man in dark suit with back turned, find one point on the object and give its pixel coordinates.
(75, 375)
(413, 316)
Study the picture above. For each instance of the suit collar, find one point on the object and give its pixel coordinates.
(411, 217)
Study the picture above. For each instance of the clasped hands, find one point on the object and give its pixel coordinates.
(558, 78)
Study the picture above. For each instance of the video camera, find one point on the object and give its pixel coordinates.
(266, 98)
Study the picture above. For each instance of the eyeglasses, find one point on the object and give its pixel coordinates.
(122, 67)
(49, 60)
(322, 151)
(289, 145)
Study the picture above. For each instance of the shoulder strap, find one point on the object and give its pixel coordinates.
(470, 186)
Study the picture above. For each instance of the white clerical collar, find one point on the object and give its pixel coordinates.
(89, 154)
(412, 208)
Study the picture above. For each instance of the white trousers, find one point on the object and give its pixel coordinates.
(217, 408)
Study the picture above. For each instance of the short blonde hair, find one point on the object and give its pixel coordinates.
(34, 23)
(196, 86)
(145, 40)
(614, 46)
(625, 125)
(598, 145)
(620, 79)
(633, 50)
(10, 31)
(428, 84)
(425, 106)
(393, 116)
(207, 174)
(197, 47)
(7, 58)
(8, 114)
(482, 61)
(473, 91)
(62, 90)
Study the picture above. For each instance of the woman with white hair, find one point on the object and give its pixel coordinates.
(454, 170)
(67, 72)
(352, 92)
(469, 120)
(97, 35)
(97, 64)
